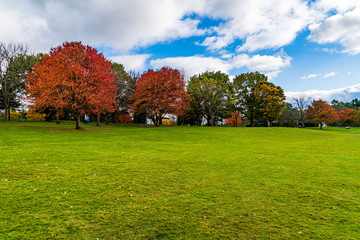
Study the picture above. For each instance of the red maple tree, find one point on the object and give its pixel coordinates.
(158, 93)
(234, 120)
(348, 116)
(75, 78)
(321, 112)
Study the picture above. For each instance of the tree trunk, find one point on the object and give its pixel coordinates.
(209, 120)
(7, 109)
(107, 119)
(156, 121)
(98, 120)
(78, 125)
(160, 120)
(6, 103)
(57, 116)
(113, 117)
(321, 124)
(7, 115)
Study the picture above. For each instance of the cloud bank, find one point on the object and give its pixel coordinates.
(341, 94)
(270, 65)
(125, 25)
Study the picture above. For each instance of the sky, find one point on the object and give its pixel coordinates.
(306, 47)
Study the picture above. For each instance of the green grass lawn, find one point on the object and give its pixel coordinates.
(127, 182)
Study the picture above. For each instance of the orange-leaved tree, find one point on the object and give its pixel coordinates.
(75, 78)
(270, 100)
(158, 93)
(234, 120)
(348, 116)
(321, 112)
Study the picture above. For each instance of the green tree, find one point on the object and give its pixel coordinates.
(337, 105)
(15, 65)
(125, 84)
(209, 94)
(245, 98)
(356, 103)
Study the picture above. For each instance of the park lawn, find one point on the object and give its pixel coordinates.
(128, 182)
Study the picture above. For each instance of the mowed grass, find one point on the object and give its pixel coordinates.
(127, 182)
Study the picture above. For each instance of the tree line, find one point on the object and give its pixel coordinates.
(74, 80)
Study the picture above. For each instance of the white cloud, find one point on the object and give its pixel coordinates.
(341, 94)
(340, 6)
(193, 65)
(120, 24)
(262, 63)
(124, 25)
(343, 28)
(132, 62)
(331, 74)
(310, 76)
(270, 65)
(313, 75)
(273, 74)
(261, 24)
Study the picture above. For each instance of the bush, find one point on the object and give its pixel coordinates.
(30, 114)
(168, 122)
(231, 121)
(14, 114)
(125, 118)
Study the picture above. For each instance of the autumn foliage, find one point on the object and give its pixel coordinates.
(31, 114)
(158, 93)
(234, 120)
(75, 78)
(321, 112)
(348, 116)
(124, 118)
(270, 99)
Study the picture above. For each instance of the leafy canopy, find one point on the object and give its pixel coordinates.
(158, 93)
(321, 112)
(75, 78)
(210, 95)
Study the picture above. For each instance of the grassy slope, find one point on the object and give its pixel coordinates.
(178, 182)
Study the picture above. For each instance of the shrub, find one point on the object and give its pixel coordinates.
(125, 118)
(231, 121)
(15, 114)
(30, 114)
(168, 122)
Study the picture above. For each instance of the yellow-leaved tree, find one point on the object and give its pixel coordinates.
(270, 100)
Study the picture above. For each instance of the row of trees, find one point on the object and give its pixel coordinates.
(215, 98)
(74, 80)
(319, 112)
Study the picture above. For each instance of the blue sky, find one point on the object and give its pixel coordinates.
(310, 47)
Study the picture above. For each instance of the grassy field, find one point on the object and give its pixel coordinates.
(127, 182)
